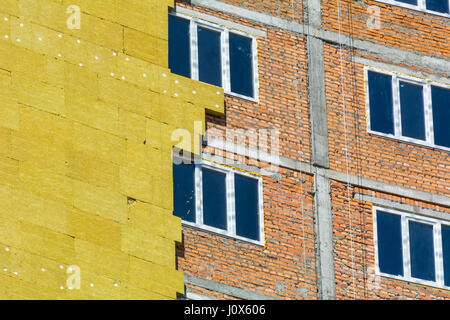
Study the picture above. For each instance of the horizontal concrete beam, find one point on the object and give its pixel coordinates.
(225, 289)
(388, 188)
(333, 174)
(402, 70)
(403, 207)
(394, 55)
(258, 154)
(221, 22)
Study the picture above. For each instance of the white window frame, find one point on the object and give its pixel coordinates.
(427, 104)
(437, 244)
(194, 23)
(230, 200)
(421, 6)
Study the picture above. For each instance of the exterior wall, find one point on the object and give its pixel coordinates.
(403, 174)
(286, 9)
(355, 151)
(86, 150)
(415, 31)
(285, 267)
(354, 249)
(283, 101)
(370, 155)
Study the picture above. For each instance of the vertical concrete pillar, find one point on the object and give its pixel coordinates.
(319, 155)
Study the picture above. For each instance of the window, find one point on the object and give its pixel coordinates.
(179, 52)
(214, 55)
(183, 188)
(439, 7)
(408, 109)
(209, 56)
(412, 248)
(219, 199)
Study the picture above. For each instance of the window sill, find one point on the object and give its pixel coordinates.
(415, 8)
(220, 232)
(231, 94)
(414, 281)
(406, 140)
(240, 96)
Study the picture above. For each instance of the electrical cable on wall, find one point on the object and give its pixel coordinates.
(299, 92)
(342, 82)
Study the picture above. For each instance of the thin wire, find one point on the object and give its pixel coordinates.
(300, 127)
(357, 142)
(346, 149)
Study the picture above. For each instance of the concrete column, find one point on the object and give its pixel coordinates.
(324, 236)
(319, 155)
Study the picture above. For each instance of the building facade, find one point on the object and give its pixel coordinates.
(224, 149)
(354, 179)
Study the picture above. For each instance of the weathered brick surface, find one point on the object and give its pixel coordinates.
(286, 9)
(375, 157)
(282, 105)
(355, 254)
(281, 63)
(407, 29)
(283, 268)
(352, 149)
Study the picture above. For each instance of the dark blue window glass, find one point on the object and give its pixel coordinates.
(413, 2)
(437, 5)
(421, 251)
(440, 98)
(389, 236)
(412, 111)
(214, 199)
(179, 46)
(247, 205)
(209, 57)
(446, 253)
(241, 65)
(184, 192)
(380, 96)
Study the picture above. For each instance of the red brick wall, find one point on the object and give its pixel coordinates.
(354, 250)
(374, 157)
(371, 156)
(411, 30)
(289, 235)
(282, 65)
(288, 207)
(286, 9)
(282, 106)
